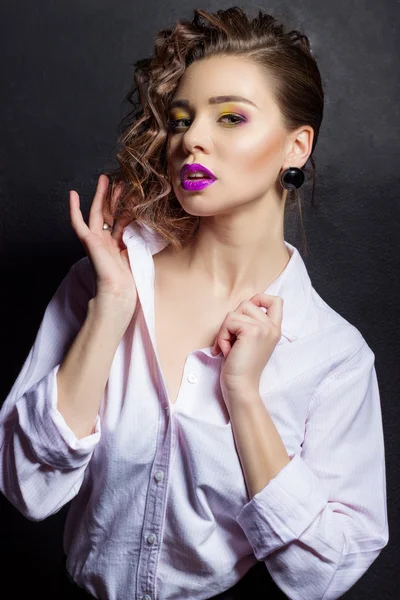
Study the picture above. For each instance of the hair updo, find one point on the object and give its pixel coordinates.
(142, 179)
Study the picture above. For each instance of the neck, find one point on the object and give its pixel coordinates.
(234, 262)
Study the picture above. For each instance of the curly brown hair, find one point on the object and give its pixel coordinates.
(142, 180)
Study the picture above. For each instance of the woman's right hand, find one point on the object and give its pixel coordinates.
(107, 252)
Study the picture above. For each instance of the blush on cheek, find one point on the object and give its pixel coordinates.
(264, 155)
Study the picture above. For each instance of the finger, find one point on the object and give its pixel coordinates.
(96, 216)
(119, 227)
(118, 224)
(255, 312)
(230, 329)
(273, 304)
(249, 308)
(107, 227)
(115, 191)
(107, 218)
(77, 221)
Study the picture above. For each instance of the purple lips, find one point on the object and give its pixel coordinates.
(196, 184)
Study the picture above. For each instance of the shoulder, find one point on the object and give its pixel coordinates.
(336, 341)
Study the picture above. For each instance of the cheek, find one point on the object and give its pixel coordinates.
(260, 153)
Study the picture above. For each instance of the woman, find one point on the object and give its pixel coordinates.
(188, 388)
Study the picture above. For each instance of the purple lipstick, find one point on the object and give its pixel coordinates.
(196, 177)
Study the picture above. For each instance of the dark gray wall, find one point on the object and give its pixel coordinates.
(65, 68)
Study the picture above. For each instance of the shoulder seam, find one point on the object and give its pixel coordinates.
(334, 373)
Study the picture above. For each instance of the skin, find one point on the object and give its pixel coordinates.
(240, 246)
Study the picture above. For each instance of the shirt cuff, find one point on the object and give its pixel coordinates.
(51, 439)
(281, 511)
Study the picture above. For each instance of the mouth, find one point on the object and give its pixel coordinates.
(196, 172)
(194, 185)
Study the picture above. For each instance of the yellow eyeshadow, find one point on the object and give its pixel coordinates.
(177, 115)
(184, 115)
(229, 108)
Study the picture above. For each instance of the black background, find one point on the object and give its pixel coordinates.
(65, 69)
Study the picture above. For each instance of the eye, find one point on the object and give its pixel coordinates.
(173, 123)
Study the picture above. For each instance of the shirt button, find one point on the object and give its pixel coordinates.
(151, 538)
(192, 378)
(158, 475)
(146, 597)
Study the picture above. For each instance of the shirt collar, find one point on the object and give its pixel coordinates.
(293, 284)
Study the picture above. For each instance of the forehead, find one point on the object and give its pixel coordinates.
(222, 76)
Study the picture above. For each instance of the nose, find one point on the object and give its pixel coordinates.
(197, 138)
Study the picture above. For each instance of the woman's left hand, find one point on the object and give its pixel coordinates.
(247, 339)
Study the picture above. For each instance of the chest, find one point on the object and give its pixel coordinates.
(187, 318)
(182, 324)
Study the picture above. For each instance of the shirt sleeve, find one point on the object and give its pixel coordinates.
(42, 462)
(322, 521)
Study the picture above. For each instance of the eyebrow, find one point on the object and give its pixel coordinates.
(213, 100)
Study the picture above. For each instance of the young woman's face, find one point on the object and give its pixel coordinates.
(241, 143)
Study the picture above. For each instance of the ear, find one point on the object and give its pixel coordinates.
(300, 146)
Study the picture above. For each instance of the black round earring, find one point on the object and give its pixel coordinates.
(292, 178)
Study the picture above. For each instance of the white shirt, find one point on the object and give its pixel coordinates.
(159, 508)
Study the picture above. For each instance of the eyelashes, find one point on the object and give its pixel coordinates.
(173, 123)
